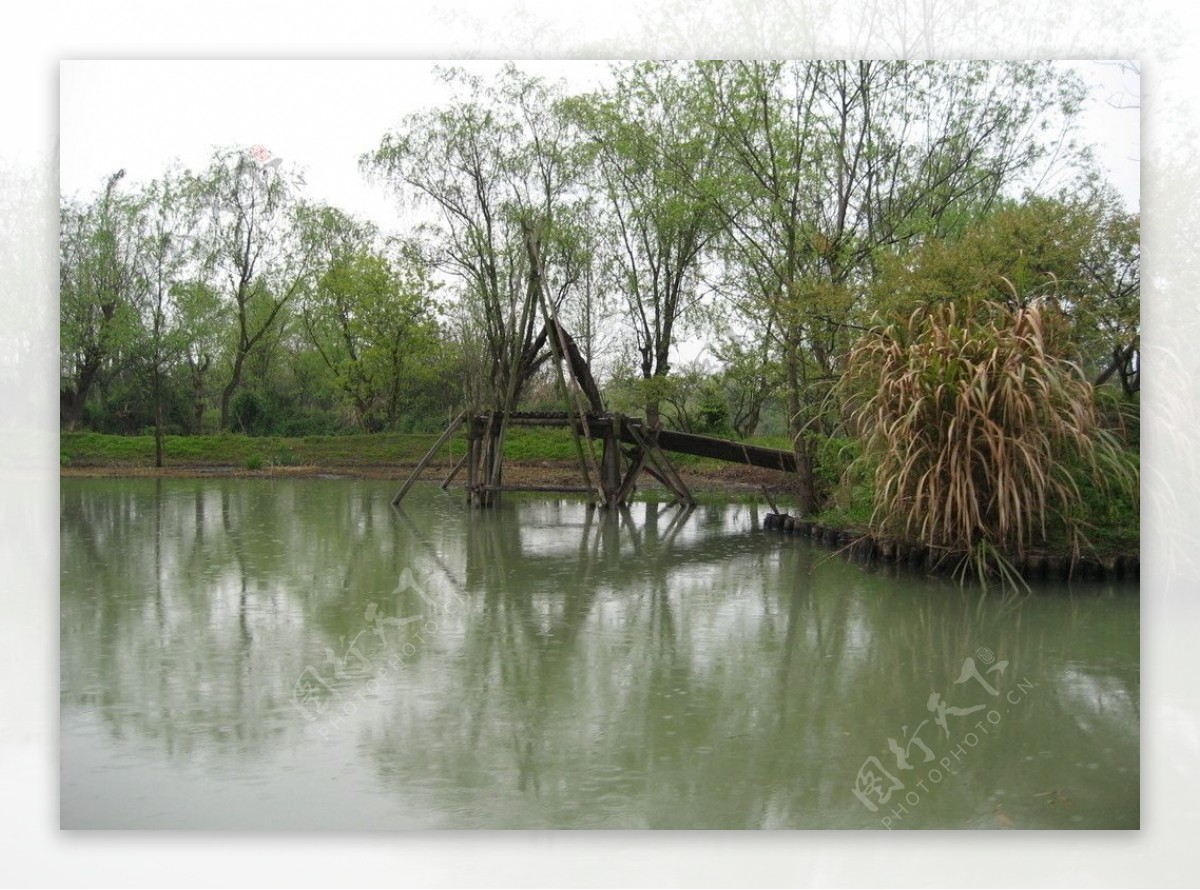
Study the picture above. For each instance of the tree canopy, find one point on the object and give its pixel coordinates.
(719, 236)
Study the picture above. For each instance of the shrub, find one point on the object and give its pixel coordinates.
(974, 428)
(285, 457)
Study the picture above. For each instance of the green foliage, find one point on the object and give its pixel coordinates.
(830, 167)
(249, 415)
(1121, 415)
(652, 156)
(254, 462)
(370, 318)
(712, 411)
(284, 457)
(87, 449)
(539, 443)
(98, 293)
(495, 163)
(1079, 255)
(1106, 518)
(803, 195)
(845, 483)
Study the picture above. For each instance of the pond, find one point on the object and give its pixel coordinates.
(297, 654)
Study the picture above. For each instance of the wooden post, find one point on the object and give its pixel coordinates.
(666, 470)
(473, 462)
(457, 469)
(495, 461)
(610, 477)
(637, 460)
(429, 455)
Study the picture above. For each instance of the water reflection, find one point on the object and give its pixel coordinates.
(549, 665)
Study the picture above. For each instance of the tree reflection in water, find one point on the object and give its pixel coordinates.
(640, 668)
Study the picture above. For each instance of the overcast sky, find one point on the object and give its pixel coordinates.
(322, 115)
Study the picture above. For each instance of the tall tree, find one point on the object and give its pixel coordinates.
(253, 249)
(97, 289)
(829, 165)
(493, 166)
(652, 150)
(1110, 304)
(370, 318)
(204, 321)
(166, 260)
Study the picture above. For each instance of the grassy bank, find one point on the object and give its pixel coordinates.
(377, 454)
(232, 450)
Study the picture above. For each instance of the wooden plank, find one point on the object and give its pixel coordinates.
(579, 369)
(663, 464)
(723, 449)
(429, 455)
(574, 489)
(636, 462)
(539, 421)
(457, 469)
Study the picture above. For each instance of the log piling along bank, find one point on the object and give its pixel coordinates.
(614, 451)
(1032, 567)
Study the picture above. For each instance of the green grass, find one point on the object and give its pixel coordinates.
(98, 450)
(378, 449)
(95, 449)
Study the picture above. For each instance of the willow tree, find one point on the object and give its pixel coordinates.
(494, 165)
(829, 165)
(369, 315)
(253, 251)
(98, 289)
(494, 168)
(651, 150)
(166, 266)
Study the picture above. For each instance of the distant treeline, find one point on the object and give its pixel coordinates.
(781, 213)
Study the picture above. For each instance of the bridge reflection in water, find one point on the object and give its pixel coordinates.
(572, 667)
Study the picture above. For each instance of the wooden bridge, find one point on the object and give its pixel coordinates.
(627, 449)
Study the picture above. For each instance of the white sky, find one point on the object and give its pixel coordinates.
(322, 115)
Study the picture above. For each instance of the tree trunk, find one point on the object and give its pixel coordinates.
(73, 399)
(158, 430)
(231, 388)
(805, 463)
(198, 368)
(806, 492)
(70, 408)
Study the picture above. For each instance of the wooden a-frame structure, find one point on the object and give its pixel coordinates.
(627, 447)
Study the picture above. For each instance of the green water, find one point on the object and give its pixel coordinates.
(284, 654)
